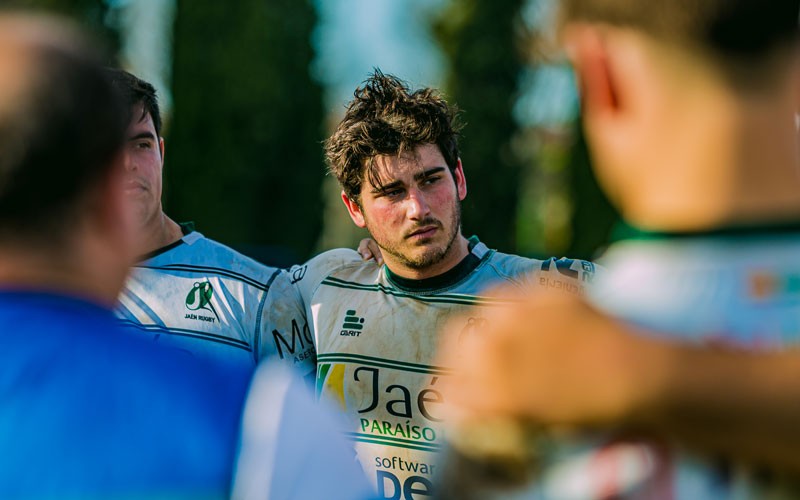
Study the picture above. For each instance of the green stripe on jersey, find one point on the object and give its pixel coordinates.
(382, 363)
(396, 442)
(469, 300)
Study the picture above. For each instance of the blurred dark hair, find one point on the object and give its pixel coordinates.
(135, 91)
(387, 118)
(59, 135)
(735, 30)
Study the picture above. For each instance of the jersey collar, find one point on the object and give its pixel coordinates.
(186, 228)
(624, 231)
(477, 253)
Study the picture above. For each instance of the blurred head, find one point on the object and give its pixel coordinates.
(395, 154)
(663, 81)
(61, 135)
(144, 148)
(731, 32)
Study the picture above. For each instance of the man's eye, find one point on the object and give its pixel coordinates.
(144, 145)
(393, 193)
(430, 180)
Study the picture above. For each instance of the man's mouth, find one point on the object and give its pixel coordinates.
(133, 186)
(423, 232)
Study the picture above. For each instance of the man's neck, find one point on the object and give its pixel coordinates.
(737, 164)
(69, 271)
(159, 232)
(456, 254)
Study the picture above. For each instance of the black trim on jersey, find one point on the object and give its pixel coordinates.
(161, 250)
(186, 228)
(382, 363)
(183, 332)
(211, 270)
(624, 231)
(445, 280)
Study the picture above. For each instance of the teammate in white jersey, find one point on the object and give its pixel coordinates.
(191, 292)
(689, 113)
(375, 327)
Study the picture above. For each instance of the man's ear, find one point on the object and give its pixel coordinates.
(354, 210)
(161, 148)
(461, 181)
(596, 78)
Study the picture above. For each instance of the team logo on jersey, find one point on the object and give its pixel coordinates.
(352, 325)
(298, 273)
(199, 298)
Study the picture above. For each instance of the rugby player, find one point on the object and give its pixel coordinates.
(395, 154)
(87, 411)
(689, 113)
(189, 291)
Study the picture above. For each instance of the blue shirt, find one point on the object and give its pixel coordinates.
(87, 410)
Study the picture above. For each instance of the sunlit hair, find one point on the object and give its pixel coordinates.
(387, 118)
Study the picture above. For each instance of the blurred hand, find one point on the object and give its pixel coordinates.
(549, 359)
(370, 250)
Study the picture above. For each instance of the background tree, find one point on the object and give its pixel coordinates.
(480, 40)
(243, 156)
(593, 216)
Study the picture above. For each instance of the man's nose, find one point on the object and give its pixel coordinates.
(130, 165)
(418, 207)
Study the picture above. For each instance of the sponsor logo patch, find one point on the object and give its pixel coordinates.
(352, 325)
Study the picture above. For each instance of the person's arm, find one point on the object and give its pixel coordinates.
(742, 404)
(555, 361)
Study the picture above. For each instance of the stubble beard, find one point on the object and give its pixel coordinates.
(432, 256)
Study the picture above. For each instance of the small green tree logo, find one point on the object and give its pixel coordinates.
(200, 297)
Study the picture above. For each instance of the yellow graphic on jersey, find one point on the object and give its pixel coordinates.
(334, 384)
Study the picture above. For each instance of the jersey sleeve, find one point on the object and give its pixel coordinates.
(570, 275)
(283, 330)
(307, 277)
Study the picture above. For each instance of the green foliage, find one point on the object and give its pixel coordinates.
(243, 156)
(593, 216)
(479, 39)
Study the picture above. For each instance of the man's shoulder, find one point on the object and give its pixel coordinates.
(339, 263)
(514, 264)
(327, 263)
(533, 270)
(200, 253)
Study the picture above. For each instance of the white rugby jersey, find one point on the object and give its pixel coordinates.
(740, 288)
(204, 298)
(376, 334)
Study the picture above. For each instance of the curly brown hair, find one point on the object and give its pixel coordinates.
(387, 118)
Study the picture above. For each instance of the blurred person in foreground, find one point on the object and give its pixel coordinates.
(395, 154)
(191, 292)
(87, 411)
(688, 108)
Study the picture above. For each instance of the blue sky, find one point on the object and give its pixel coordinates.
(353, 36)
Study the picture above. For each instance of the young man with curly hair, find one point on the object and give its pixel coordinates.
(395, 154)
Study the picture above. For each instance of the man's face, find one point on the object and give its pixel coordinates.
(414, 216)
(144, 161)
